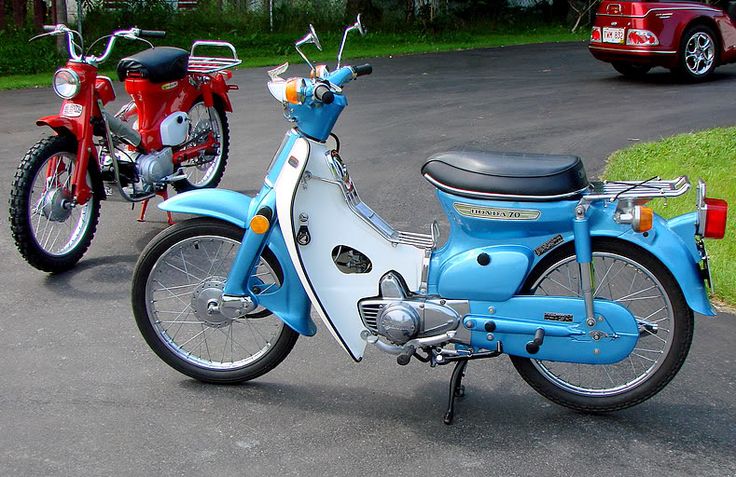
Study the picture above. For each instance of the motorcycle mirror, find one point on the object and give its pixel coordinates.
(310, 37)
(358, 25)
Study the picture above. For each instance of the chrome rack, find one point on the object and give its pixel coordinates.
(647, 189)
(212, 64)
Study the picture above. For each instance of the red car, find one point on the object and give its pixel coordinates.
(689, 38)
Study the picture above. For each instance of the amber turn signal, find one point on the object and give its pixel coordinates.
(292, 91)
(259, 224)
(643, 219)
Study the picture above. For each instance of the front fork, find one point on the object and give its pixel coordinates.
(237, 293)
(584, 257)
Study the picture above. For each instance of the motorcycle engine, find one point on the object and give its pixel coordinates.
(399, 316)
(154, 167)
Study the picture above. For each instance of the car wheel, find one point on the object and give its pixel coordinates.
(698, 53)
(631, 70)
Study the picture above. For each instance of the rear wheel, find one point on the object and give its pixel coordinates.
(698, 53)
(177, 278)
(207, 169)
(631, 70)
(637, 280)
(51, 231)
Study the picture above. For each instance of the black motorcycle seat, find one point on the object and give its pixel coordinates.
(506, 175)
(157, 65)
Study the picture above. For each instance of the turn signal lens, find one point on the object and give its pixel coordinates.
(595, 35)
(716, 213)
(292, 91)
(641, 38)
(259, 224)
(643, 219)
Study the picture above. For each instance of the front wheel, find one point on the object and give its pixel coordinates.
(51, 231)
(205, 170)
(176, 284)
(637, 280)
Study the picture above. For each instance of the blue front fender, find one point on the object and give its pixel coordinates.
(289, 302)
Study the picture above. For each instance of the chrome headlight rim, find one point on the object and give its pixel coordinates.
(73, 81)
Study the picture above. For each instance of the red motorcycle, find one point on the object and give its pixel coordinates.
(173, 132)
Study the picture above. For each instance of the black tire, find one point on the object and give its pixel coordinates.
(678, 328)
(631, 70)
(174, 352)
(690, 69)
(211, 177)
(25, 202)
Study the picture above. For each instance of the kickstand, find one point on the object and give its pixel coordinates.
(164, 194)
(456, 389)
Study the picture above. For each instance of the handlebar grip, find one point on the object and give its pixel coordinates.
(49, 28)
(323, 93)
(363, 70)
(153, 33)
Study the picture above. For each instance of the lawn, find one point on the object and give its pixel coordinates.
(268, 49)
(708, 155)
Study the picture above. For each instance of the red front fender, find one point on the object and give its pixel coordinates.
(61, 125)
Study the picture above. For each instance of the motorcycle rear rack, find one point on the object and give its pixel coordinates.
(647, 189)
(212, 64)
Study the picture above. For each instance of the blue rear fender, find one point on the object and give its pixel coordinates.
(289, 302)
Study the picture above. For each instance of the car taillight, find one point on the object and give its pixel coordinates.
(595, 34)
(712, 215)
(641, 38)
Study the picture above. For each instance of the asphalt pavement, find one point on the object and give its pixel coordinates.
(81, 393)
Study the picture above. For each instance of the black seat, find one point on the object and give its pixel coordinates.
(506, 175)
(157, 65)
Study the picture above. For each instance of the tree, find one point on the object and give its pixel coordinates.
(580, 8)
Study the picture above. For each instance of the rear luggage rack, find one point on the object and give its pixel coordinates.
(212, 64)
(647, 189)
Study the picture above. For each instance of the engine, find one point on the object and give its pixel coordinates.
(399, 317)
(154, 167)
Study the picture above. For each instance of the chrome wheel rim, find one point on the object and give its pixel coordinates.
(202, 169)
(57, 224)
(699, 53)
(628, 283)
(185, 274)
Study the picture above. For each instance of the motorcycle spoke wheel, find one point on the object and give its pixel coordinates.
(180, 280)
(642, 285)
(205, 170)
(50, 230)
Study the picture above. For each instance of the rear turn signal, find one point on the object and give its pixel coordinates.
(595, 35)
(643, 219)
(641, 38)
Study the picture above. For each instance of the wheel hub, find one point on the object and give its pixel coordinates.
(56, 204)
(206, 303)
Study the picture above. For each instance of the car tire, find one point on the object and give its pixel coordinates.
(631, 70)
(698, 54)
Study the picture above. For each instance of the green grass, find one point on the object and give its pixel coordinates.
(708, 155)
(264, 49)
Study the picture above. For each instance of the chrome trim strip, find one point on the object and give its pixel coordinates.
(621, 50)
(487, 195)
(657, 10)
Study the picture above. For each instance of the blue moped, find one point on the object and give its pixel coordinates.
(588, 291)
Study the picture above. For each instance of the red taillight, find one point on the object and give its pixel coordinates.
(595, 34)
(716, 212)
(641, 38)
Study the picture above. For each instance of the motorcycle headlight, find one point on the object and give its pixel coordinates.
(66, 83)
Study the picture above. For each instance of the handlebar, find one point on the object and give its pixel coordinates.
(49, 28)
(322, 93)
(362, 70)
(153, 33)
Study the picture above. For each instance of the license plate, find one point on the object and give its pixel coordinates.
(613, 35)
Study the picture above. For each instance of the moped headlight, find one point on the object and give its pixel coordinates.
(66, 83)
